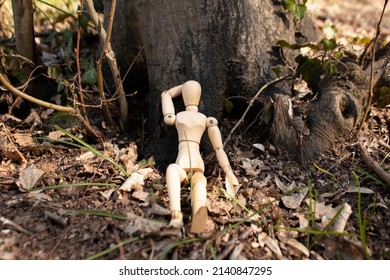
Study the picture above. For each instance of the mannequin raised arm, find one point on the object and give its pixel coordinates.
(216, 141)
(167, 104)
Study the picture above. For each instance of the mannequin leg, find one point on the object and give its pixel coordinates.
(175, 176)
(199, 192)
(199, 198)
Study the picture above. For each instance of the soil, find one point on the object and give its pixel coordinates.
(333, 208)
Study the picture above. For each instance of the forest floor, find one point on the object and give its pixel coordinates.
(81, 207)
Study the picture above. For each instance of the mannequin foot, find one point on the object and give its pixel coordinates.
(176, 219)
(201, 222)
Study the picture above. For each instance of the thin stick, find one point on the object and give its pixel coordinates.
(106, 47)
(110, 55)
(251, 104)
(111, 14)
(374, 166)
(4, 80)
(7, 132)
(7, 84)
(106, 110)
(77, 51)
(19, 228)
(371, 89)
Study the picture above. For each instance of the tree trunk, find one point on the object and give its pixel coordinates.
(327, 119)
(24, 28)
(228, 46)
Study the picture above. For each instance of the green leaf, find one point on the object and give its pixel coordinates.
(329, 67)
(339, 54)
(285, 44)
(298, 10)
(289, 5)
(307, 67)
(89, 76)
(228, 105)
(328, 45)
(276, 70)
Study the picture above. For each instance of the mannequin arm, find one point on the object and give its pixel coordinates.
(167, 104)
(216, 141)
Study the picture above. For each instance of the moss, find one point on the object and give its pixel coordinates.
(63, 119)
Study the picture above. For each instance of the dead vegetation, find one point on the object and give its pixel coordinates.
(61, 198)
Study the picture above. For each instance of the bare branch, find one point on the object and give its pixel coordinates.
(110, 55)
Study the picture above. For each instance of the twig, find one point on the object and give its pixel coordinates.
(7, 84)
(132, 63)
(374, 166)
(371, 89)
(4, 80)
(110, 55)
(7, 132)
(106, 111)
(251, 104)
(19, 228)
(110, 21)
(120, 245)
(77, 51)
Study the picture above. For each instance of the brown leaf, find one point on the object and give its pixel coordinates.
(293, 199)
(326, 213)
(142, 225)
(24, 139)
(29, 177)
(272, 244)
(299, 248)
(55, 134)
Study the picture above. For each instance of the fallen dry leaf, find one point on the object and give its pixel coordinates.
(135, 182)
(142, 225)
(128, 156)
(24, 139)
(294, 194)
(29, 177)
(56, 134)
(107, 193)
(236, 254)
(38, 195)
(253, 166)
(272, 244)
(299, 248)
(326, 213)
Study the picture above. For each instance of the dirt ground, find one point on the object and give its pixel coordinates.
(333, 208)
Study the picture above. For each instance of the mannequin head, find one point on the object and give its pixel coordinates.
(191, 95)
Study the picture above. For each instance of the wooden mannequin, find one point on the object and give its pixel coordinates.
(190, 125)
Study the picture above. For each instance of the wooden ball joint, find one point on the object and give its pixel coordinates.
(189, 165)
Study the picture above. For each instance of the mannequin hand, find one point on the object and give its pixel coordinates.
(231, 181)
(170, 119)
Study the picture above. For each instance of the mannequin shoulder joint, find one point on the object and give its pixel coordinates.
(210, 121)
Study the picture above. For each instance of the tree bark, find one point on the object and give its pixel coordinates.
(227, 46)
(24, 28)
